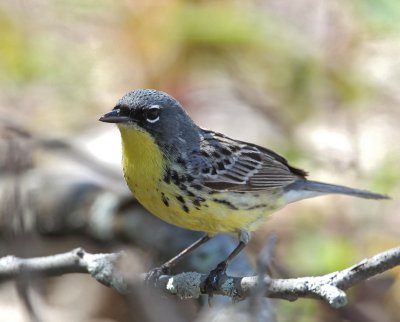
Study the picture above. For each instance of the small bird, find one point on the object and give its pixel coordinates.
(203, 180)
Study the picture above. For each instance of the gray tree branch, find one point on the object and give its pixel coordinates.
(99, 266)
(102, 267)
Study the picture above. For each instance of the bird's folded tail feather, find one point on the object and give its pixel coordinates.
(302, 189)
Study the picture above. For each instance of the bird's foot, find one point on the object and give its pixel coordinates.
(212, 281)
(154, 274)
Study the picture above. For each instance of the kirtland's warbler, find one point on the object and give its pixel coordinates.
(202, 180)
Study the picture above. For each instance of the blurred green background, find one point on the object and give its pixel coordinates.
(316, 81)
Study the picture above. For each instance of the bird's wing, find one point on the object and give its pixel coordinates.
(227, 164)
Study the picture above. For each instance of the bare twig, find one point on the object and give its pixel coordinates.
(328, 287)
(99, 266)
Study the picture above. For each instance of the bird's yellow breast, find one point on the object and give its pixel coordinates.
(144, 168)
(143, 165)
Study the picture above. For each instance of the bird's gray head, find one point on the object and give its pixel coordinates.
(157, 113)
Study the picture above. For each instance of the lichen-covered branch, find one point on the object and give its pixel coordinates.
(99, 266)
(328, 287)
(102, 267)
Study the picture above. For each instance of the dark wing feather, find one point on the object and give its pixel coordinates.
(227, 164)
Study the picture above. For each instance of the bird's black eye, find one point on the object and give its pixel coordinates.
(153, 114)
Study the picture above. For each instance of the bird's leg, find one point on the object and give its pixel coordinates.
(212, 281)
(187, 250)
(155, 273)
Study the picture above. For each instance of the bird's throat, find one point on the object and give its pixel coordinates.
(142, 159)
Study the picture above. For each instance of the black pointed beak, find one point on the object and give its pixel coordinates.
(114, 117)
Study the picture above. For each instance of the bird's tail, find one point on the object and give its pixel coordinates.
(302, 189)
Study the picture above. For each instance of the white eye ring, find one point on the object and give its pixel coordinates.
(155, 109)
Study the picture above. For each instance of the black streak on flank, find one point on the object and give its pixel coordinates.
(180, 199)
(197, 201)
(164, 199)
(167, 176)
(226, 203)
(183, 204)
(257, 206)
(175, 177)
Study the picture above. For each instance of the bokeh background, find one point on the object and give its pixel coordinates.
(315, 80)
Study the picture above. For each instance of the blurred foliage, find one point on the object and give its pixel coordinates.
(301, 311)
(387, 176)
(381, 16)
(329, 254)
(19, 57)
(254, 46)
